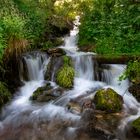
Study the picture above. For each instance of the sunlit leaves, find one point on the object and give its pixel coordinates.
(112, 25)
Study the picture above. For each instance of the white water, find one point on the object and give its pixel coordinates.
(21, 111)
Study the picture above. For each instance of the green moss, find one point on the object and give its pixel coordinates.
(108, 100)
(136, 126)
(5, 95)
(67, 60)
(65, 76)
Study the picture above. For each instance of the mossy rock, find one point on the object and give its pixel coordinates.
(65, 76)
(55, 64)
(46, 93)
(40, 91)
(108, 100)
(136, 127)
(5, 94)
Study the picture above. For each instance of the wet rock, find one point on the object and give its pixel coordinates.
(55, 51)
(136, 127)
(108, 100)
(98, 124)
(46, 93)
(135, 90)
(79, 104)
(52, 68)
(74, 107)
(87, 103)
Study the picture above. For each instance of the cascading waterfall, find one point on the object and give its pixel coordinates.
(131, 105)
(24, 120)
(33, 64)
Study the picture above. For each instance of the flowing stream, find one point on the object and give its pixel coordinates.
(22, 119)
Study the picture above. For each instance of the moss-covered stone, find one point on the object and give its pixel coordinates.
(108, 100)
(46, 93)
(55, 64)
(40, 91)
(136, 126)
(65, 76)
(5, 94)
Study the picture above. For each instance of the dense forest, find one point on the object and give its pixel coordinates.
(109, 28)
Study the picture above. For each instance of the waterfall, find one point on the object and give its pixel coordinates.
(22, 119)
(32, 66)
(84, 67)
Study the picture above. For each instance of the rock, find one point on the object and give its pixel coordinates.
(87, 103)
(55, 52)
(46, 93)
(60, 70)
(108, 100)
(54, 66)
(79, 104)
(74, 107)
(136, 127)
(135, 90)
(98, 124)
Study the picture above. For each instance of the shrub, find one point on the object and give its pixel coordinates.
(112, 26)
(132, 72)
(5, 95)
(65, 76)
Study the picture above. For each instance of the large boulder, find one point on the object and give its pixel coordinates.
(98, 124)
(108, 100)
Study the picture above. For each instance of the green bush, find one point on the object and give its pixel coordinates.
(65, 76)
(132, 72)
(111, 26)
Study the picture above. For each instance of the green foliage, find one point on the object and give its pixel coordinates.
(35, 15)
(5, 95)
(65, 76)
(67, 60)
(12, 25)
(108, 100)
(112, 26)
(136, 126)
(132, 72)
(37, 22)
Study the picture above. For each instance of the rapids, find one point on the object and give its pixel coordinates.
(23, 120)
